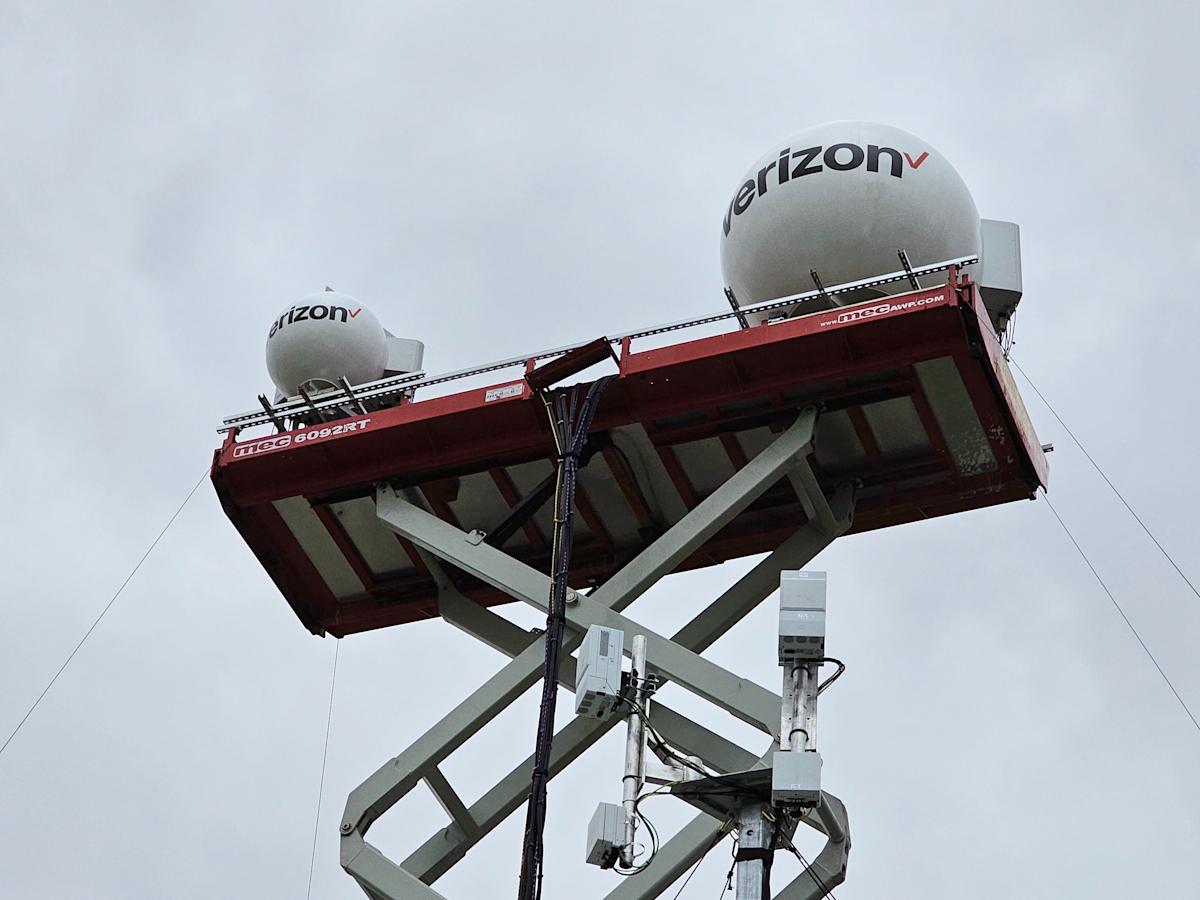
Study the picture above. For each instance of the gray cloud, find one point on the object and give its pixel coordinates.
(493, 179)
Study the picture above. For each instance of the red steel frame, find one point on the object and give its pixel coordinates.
(679, 393)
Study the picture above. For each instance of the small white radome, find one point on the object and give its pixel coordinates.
(323, 338)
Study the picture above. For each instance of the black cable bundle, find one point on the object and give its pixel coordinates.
(570, 435)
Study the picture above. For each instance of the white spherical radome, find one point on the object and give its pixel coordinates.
(841, 199)
(322, 338)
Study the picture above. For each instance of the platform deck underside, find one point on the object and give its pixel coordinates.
(916, 408)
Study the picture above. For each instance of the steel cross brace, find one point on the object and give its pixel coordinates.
(828, 870)
(675, 658)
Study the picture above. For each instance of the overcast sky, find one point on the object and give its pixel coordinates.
(497, 178)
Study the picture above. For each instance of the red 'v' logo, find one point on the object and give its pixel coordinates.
(357, 311)
(916, 163)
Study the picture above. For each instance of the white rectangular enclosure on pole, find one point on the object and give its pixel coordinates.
(801, 617)
(598, 672)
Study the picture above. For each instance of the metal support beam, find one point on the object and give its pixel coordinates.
(451, 803)
(676, 658)
(714, 512)
(673, 859)
(804, 483)
(449, 845)
(828, 870)
(753, 704)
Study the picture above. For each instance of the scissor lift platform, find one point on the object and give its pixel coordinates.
(916, 407)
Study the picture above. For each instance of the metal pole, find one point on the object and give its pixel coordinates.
(787, 708)
(809, 699)
(754, 854)
(792, 718)
(798, 721)
(635, 748)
